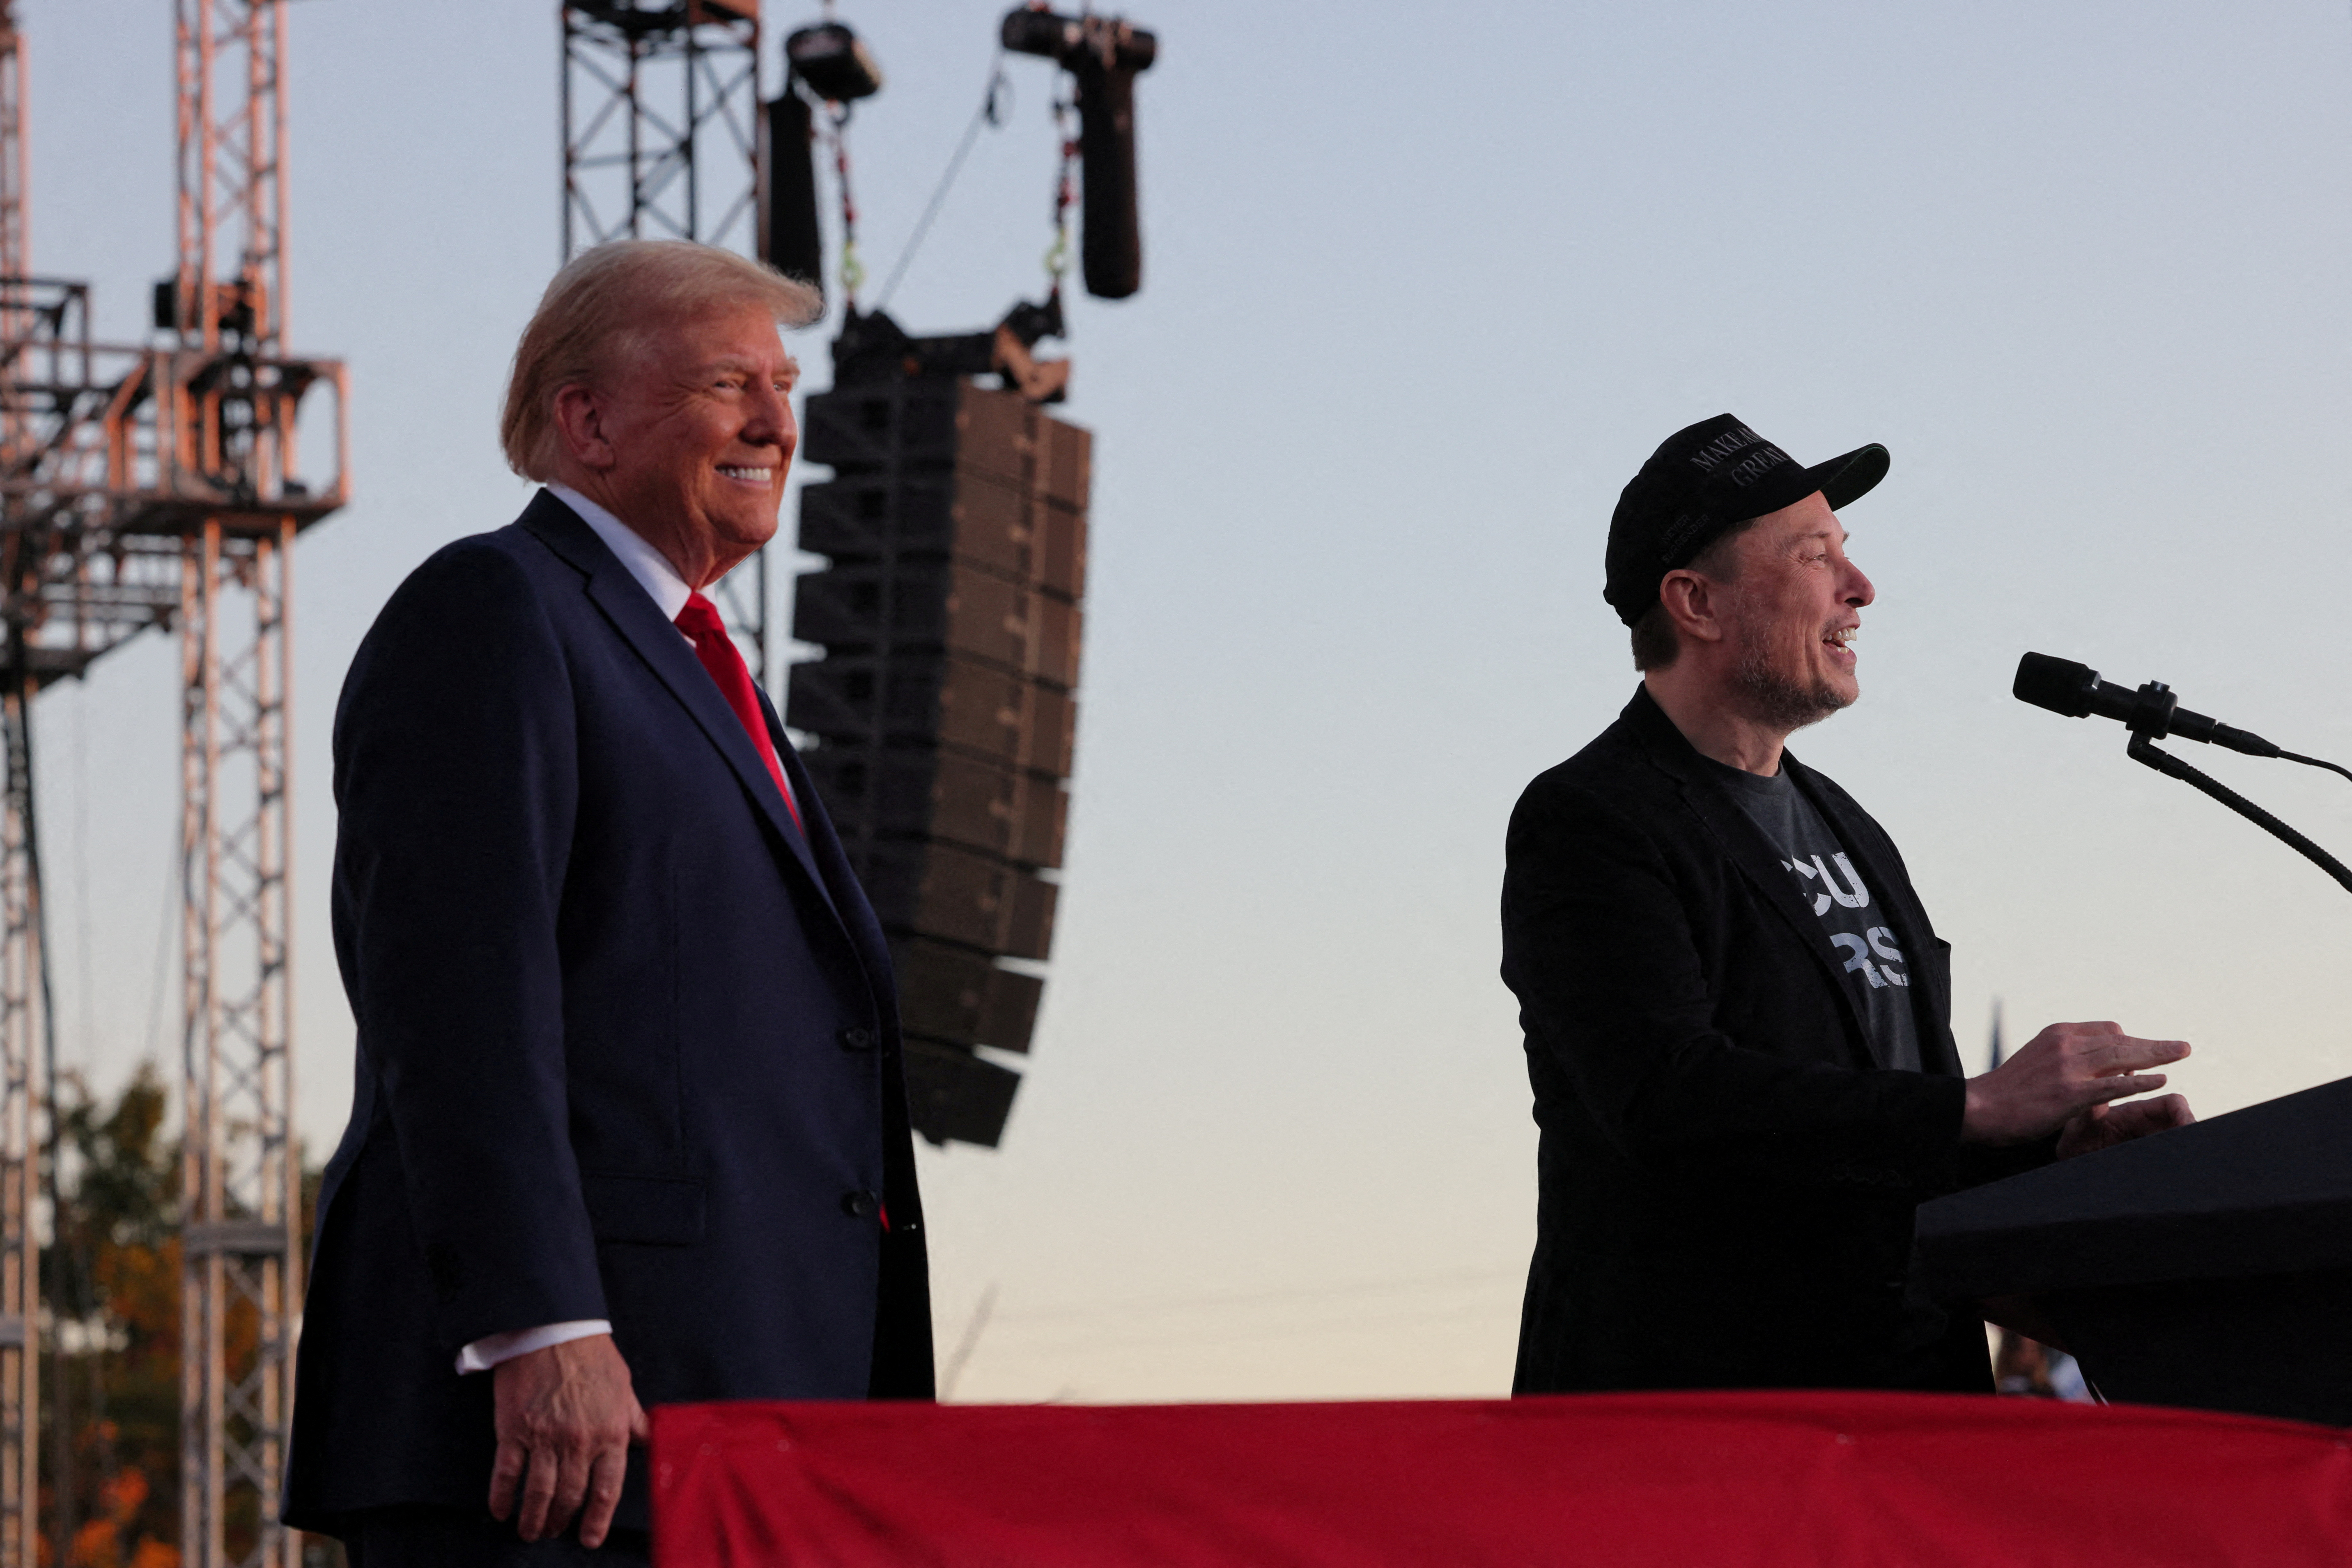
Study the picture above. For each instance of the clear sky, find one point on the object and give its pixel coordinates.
(1423, 287)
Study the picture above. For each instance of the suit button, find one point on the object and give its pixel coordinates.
(860, 1205)
(857, 1038)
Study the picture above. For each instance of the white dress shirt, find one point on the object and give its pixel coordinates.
(647, 564)
(658, 577)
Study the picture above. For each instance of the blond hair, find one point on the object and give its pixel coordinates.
(607, 303)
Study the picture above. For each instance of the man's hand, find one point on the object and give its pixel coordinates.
(2104, 1127)
(2065, 1072)
(566, 1416)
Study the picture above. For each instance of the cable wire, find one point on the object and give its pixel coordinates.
(2315, 762)
(989, 114)
(2139, 749)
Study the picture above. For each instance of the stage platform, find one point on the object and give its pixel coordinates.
(1671, 1481)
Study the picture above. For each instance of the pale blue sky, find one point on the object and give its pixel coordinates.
(1423, 287)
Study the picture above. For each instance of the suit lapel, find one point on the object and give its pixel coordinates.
(1744, 844)
(849, 901)
(1759, 862)
(632, 614)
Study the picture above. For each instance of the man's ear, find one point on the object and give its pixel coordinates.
(580, 422)
(1694, 604)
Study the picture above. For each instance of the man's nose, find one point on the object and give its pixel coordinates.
(1858, 590)
(771, 417)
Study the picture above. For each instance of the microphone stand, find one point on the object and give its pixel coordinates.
(2150, 719)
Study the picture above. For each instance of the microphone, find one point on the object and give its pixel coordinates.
(2076, 690)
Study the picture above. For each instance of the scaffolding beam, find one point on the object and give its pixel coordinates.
(145, 487)
(240, 1195)
(240, 1192)
(21, 997)
(22, 1005)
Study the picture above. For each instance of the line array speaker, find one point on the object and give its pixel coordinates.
(943, 712)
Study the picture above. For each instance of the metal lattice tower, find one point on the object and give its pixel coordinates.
(142, 485)
(240, 1286)
(22, 996)
(661, 141)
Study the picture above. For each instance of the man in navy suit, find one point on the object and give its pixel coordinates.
(629, 1124)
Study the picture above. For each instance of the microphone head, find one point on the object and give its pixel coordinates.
(2060, 685)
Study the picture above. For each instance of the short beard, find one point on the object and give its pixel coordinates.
(1772, 699)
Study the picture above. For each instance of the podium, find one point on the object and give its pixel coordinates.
(2209, 1267)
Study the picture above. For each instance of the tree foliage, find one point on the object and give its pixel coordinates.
(111, 1334)
(110, 1362)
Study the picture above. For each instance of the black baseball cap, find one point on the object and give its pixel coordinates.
(1699, 482)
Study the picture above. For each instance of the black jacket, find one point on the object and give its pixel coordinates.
(628, 1040)
(1727, 1178)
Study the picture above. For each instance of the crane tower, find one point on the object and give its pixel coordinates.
(159, 485)
(235, 433)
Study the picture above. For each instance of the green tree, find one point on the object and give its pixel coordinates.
(110, 1365)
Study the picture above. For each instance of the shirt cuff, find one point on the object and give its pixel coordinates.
(489, 1350)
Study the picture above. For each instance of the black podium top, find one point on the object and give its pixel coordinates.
(2265, 1190)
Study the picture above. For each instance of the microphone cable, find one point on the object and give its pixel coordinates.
(2314, 762)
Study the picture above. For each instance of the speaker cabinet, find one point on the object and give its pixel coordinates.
(955, 994)
(1020, 534)
(942, 716)
(869, 699)
(954, 1094)
(928, 887)
(940, 606)
(915, 791)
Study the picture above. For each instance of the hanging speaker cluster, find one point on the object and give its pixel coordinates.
(1103, 55)
(824, 63)
(940, 721)
(827, 64)
(944, 712)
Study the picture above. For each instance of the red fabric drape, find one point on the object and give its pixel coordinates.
(1658, 1480)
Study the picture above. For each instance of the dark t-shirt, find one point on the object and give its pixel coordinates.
(1857, 923)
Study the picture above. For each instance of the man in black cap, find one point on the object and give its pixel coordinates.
(1737, 1012)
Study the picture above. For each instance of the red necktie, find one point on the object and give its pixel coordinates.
(700, 620)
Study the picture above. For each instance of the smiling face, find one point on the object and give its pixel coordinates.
(689, 437)
(1795, 603)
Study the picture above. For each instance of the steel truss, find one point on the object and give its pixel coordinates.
(22, 999)
(661, 141)
(142, 486)
(230, 438)
(661, 116)
(240, 1297)
(23, 1004)
(129, 500)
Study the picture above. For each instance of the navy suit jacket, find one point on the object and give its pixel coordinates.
(627, 1039)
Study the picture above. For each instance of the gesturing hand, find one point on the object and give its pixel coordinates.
(566, 1416)
(2063, 1072)
(2104, 1127)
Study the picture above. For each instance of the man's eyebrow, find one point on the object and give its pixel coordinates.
(745, 362)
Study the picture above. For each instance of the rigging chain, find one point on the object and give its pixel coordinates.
(852, 269)
(1065, 193)
(995, 107)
